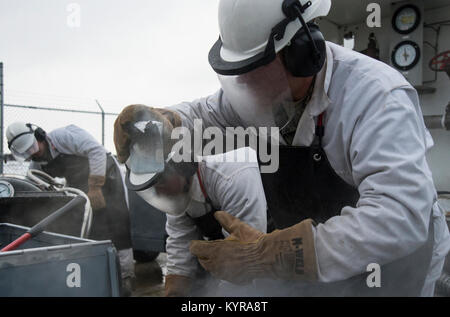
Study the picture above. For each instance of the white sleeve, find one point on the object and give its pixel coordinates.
(76, 141)
(35, 166)
(181, 230)
(214, 111)
(241, 195)
(390, 221)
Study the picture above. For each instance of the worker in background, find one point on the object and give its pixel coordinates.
(353, 186)
(189, 192)
(72, 153)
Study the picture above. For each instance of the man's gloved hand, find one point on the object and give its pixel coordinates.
(132, 114)
(248, 253)
(177, 286)
(95, 194)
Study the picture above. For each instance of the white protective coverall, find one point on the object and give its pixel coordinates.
(233, 184)
(376, 141)
(73, 140)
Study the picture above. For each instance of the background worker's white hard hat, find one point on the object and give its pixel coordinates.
(245, 25)
(21, 140)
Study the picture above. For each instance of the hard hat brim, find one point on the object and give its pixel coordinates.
(228, 68)
(140, 182)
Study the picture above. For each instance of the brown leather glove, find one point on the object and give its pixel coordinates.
(95, 194)
(177, 285)
(132, 114)
(248, 253)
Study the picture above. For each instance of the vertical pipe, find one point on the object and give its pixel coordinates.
(2, 109)
(103, 122)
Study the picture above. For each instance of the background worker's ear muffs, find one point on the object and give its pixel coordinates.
(40, 134)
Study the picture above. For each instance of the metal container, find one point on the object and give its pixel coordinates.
(30, 204)
(57, 265)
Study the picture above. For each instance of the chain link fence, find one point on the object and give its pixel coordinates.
(99, 124)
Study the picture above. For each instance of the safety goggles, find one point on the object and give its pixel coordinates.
(146, 161)
(27, 154)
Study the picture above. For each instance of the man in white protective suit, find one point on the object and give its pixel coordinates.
(189, 192)
(72, 153)
(353, 189)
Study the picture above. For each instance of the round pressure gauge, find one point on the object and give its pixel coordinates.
(406, 55)
(406, 19)
(6, 190)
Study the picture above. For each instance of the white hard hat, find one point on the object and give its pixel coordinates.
(21, 140)
(247, 26)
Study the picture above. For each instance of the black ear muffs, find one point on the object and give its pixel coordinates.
(300, 57)
(40, 134)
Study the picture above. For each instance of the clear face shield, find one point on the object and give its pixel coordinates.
(261, 97)
(150, 175)
(21, 155)
(169, 192)
(147, 149)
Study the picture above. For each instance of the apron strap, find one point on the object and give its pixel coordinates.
(201, 183)
(202, 187)
(320, 129)
(207, 224)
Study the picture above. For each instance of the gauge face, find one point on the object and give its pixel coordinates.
(406, 19)
(406, 55)
(6, 190)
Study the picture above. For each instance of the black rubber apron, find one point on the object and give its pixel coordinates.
(111, 222)
(306, 186)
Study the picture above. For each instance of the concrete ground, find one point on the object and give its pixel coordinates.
(150, 278)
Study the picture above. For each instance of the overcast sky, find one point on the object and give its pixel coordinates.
(123, 52)
(134, 51)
